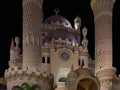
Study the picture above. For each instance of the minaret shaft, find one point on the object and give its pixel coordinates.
(103, 33)
(32, 23)
(103, 43)
(103, 40)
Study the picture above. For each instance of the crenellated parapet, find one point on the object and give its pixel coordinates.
(18, 62)
(16, 76)
(58, 44)
(11, 72)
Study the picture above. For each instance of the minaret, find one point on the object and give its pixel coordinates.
(84, 52)
(77, 23)
(32, 25)
(12, 50)
(103, 43)
(12, 62)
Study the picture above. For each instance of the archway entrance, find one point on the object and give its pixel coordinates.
(87, 84)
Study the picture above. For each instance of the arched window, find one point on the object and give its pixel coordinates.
(78, 62)
(48, 60)
(63, 79)
(43, 59)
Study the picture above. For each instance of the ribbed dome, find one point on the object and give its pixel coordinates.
(84, 72)
(58, 20)
(59, 33)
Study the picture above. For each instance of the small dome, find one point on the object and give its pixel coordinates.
(59, 33)
(84, 72)
(72, 73)
(77, 20)
(58, 20)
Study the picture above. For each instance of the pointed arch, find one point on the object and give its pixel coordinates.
(88, 82)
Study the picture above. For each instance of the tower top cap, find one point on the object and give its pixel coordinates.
(77, 19)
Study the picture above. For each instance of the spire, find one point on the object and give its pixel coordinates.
(12, 50)
(12, 47)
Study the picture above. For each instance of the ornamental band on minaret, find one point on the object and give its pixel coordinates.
(32, 25)
(103, 42)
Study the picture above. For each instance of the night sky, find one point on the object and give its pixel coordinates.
(11, 22)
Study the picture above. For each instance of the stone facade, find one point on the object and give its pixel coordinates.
(56, 57)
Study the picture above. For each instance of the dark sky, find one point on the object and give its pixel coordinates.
(11, 22)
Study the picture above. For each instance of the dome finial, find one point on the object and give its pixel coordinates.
(12, 47)
(56, 11)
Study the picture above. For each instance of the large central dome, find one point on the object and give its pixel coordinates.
(59, 33)
(58, 20)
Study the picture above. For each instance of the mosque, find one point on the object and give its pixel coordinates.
(55, 55)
